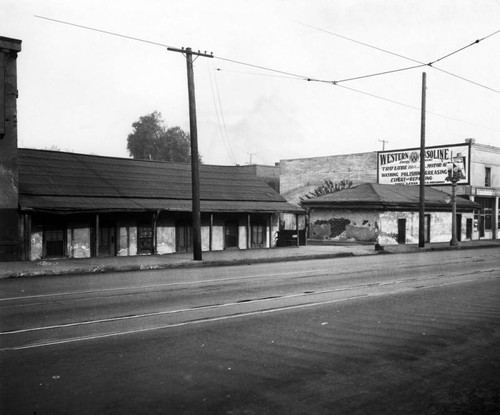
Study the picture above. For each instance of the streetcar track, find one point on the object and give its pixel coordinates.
(53, 342)
(233, 303)
(144, 289)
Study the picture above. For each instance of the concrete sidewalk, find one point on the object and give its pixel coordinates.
(215, 258)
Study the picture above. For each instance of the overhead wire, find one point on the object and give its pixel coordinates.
(414, 107)
(262, 67)
(223, 119)
(421, 63)
(464, 47)
(310, 79)
(104, 31)
(222, 126)
(260, 74)
(304, 77)
(378, 74)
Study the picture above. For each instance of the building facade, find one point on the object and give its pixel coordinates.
(386, 214)
(9, 230)
(301, 176)
(64, 205)
(78, 206)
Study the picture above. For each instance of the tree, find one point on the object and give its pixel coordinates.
(152, 140)
(326, 188)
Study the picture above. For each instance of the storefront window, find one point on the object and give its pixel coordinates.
(487, 176)
(487, 219)
(486, 213)
(258, 235)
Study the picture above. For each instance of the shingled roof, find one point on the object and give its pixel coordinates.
(69, 182)
(388, 197)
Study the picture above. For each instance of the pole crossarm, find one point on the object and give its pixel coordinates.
(188, 50)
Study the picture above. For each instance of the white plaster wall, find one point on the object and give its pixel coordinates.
(218, 234)
(36, 243)
(165, 237)
(485, 156)
(79, 245)
(358, 219)
(288, 221)
(205, 238)
(440, 225)
(123, 228)
(242, 235)
(275, 227)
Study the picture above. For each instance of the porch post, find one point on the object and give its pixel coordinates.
(154, 233)
(494, 221)
(96, 235)
(270, 233)
(249, 237)
(26, 237)
(297, 228)
(210, 232)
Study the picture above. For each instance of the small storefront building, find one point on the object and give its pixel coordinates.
(387, 214)
(80, 206)
(299, 177)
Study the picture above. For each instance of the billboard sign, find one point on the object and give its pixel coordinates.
(402, 167)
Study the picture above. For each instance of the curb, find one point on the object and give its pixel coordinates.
(102, 269)
(382, 249)
(152, 267)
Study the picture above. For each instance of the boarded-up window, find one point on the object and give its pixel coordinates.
(183, 236)
(144, 238)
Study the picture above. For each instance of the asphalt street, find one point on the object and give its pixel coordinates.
(249, 339)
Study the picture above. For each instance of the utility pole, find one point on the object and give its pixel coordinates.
(251, 154)
(421, 216)
(455, 174)
(383, 144)
(195, 162)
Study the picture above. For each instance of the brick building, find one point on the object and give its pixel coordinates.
(9, 227)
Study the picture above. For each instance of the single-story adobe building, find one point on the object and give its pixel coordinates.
(75, 205)
(387, 214)
(55, 204)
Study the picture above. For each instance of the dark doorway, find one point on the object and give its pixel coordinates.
(481, 226)
(401, 231)
(459, 227)
(107, 240)
(183, 236)
(230, 234)
(468, 229)
(427, 229)
(54, 237)
(144, 238)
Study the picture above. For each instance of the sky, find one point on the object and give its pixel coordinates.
(80, 90)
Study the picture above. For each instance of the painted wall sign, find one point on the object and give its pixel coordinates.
(485, 192)
(402, 167)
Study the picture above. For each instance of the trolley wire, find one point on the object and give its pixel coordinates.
(285, 74)
(421, 63)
